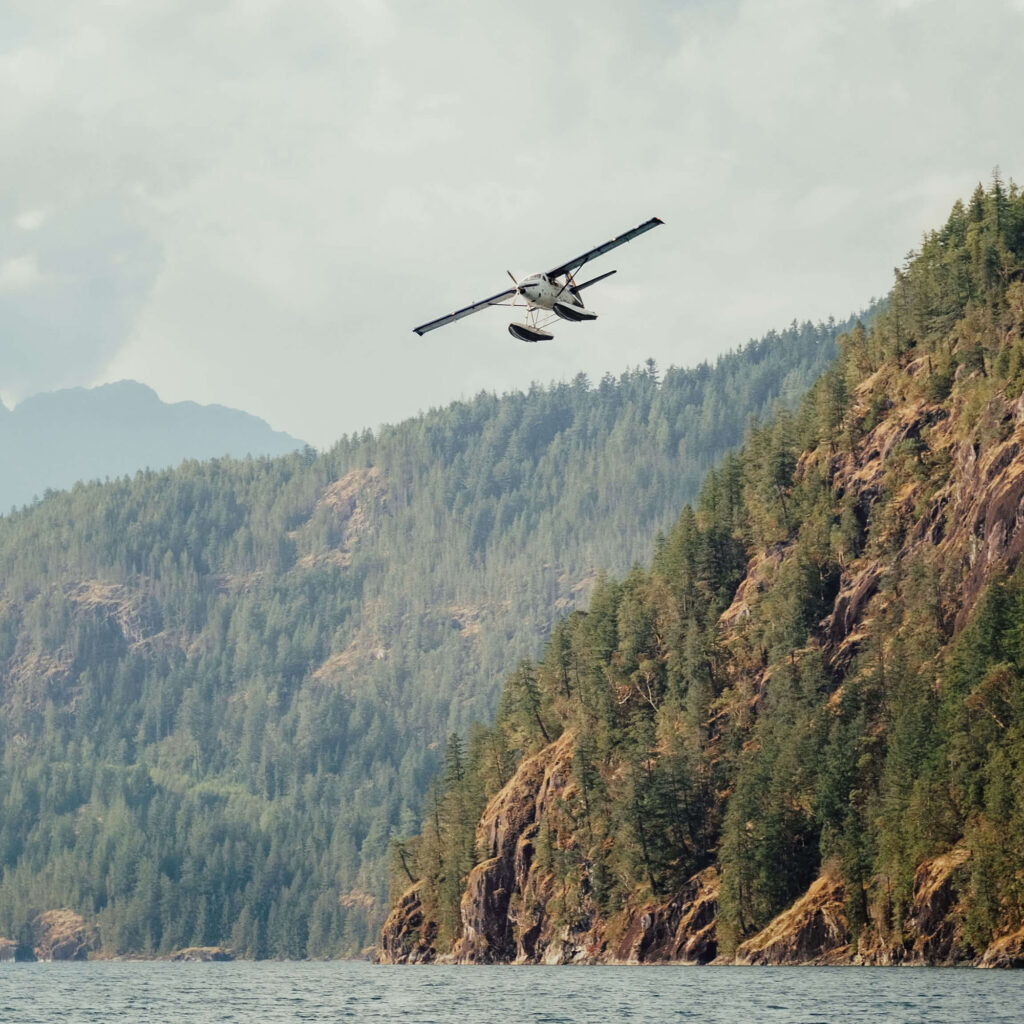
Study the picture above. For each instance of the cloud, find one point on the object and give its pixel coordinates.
(31, 220)
(252, 201)
(69, 304)
(19, 274)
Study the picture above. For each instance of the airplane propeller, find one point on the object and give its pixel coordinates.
(519, 289)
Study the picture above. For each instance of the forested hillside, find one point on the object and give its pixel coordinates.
(225, 687)
(799, 735)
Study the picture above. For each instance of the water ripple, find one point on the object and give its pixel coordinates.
(280, 993)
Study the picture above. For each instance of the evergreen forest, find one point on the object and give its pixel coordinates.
(225, 688)
(820, 673)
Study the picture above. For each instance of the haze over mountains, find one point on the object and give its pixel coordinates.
(54, 439)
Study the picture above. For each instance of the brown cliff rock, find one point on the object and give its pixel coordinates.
(406, 937)
(203, 954)
(970, 517)
(681, 930)
(936, 915)
(760, 568)
(491, 926)
(62, 935)
(506, 908)
(814, 929)
(528, 911)
(811, 931)
(488, 935)
(934, 923)
(1007, 951)
(841, 628)
(972, 522)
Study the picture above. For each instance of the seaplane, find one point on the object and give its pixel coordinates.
(547, 297)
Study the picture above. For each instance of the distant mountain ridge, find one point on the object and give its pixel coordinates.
(54, 439)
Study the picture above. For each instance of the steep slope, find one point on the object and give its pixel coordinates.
(799, 737)
(53, 440)
(223, 688)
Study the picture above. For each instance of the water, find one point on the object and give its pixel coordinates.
(275, 993)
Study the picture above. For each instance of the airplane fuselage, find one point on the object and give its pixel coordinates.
(542, 292)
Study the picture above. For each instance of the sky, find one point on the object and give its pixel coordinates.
(253, 202)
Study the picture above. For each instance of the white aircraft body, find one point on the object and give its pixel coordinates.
(546, 297)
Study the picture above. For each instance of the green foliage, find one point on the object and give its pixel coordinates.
(918, 752)
(982, 711)
(634, 679)
(225, 687)
(753, 742)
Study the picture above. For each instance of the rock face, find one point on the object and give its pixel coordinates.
(1007, 951)
(681, 930)
(495, 930)
(936, 917)
(812, 931)
(506, 905)
(406, 938)
(62, 935)
(203, 954)
(974, 522)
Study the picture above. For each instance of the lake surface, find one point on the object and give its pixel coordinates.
(272, 993)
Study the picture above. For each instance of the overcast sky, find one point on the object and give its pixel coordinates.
(253, 202)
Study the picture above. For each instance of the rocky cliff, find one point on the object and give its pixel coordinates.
(53, 935)
(798, 737)
(507, 908)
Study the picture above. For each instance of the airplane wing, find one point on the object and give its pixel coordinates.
(494, 300)
(578, 262)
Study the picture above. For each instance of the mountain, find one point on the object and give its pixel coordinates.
(226, 687)
(54, 439)
(798, 736)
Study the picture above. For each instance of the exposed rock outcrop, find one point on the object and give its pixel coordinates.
(936, 917)
(973, 522)
(813, 930)
(506, 908)
(681, 930)
(407, 938)
(1006, 951)
(62, 935)
(203, 954)
(348, 508)
(494, 930)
